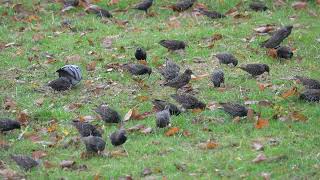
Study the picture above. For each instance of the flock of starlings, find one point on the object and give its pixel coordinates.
(70, 76)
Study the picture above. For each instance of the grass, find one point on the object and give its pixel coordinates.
(299, 141)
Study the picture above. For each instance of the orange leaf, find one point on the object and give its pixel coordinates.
(208, 145)
(290, 92)
(39, 154)
(262, 86)
(53, 127)
(91, 66)
(142, 98)
(272, 53)
(262, 123)
(23, 117)
(298, 116)
(9, 104)
(172, 131)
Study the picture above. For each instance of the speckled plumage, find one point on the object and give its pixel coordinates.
(137, 69)
(311, 95)
(188, 101)
(107, 114)
(163, 118)
(284, 52)
(8, 124)
(94, 144)
(180, 80)
(277, 37)
(60, 84)
(170, 71)
(258, 6)
(255, 69)
(25, 162)
(183, 5)
(227, 58)
(234, 109)
(308, 82)
(144, 5)
(217, 78)
(160, 105)
(211, 14)
(118, 137)
(86, 129)
(173, 45)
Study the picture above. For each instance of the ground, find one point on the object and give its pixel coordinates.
(41, 45)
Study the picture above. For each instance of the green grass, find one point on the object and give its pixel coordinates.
(298, 141)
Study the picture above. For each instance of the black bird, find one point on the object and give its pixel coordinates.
(311, 95)
(86, 129)
(72, 72)
(170, 71)
(107, 114)
(173, 45)
(180, 80)
(25, 162)
(163, 118)
(183, 5)
(284, 52)
(211, 14)
(227, 58)
(255, 69)
(160, 106)
(8, 125)
(94, 9)
(308, 83)
(258, 6)
(277, 37)
(234, 109)
(217, 78)
(94, 144)
(188, 101)
(140, 54)
(137, 69)
(118, 137)
(144, 5)
(60, 84)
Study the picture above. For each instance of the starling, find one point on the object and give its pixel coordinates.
(309, 83)
(8, 125)
(94, 144)
(284, 52)
(217, 78)
(86, 129)
(258, 6)
(138, 69)
(277, 37)
(173, 45)
(160, 106)
(188, 101)
(183, 5)
(72, 72)
(107, 114)
(25, 162)
(211, 14)
(144, 5)
(234, 109)
(118, 137)
(255, 69)
(94, 9)
(163, 118)
(170, 71)
(227, 58)
(180, 80)
(140, 54)
(60, 84)
(311, 95)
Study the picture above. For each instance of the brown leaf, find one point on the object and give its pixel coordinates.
(107, 42)
(119, 153)
(186, 133)
(173, 23)
(265, 103)
(33, 137)
(318, 2)
(9, 103)
(272, 53)
(290, 92)
(39, 102)
(72, 58)
(23, 117)
(146, 172)
(113, 2)
(37, 37)
(299, 5)
(48, 164)
(91, 66)
(264, 29)
(208, 145)
(72, 106)
(4, 145)
(263, 86)
(128, 115)
(147, 130)
(197, 110)
(250, 114)
(261, 157)
(199, 77)
(10, 174)
(52, 127)
(261, 123)
(67, 164)
(87, 118)
(39, 154)
(298, 116)
(172, 131)
(234, 9)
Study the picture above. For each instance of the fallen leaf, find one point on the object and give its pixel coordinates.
(299, 5)
(33, 137)
(263, 86)
(258, 146)
(67, 164)
(37, 37)
(250, 114)
(197, 110)
(39, 102)
(128, 115)
(147, 130)
(290, 92)
(91, 66)
(208, 145)
(87, 118)
(72, 58)
(4, 145)
(278, 3)
(72, 107)
(186, 133)
(9, 103)
(146, 172)
(213, 105)
(23, 117)
(318, 2)
(265, 176)
(272, 53)
(261, 157)
(265, 103)
(119, 153)
(261, 123)
(10, 174)
(264, 29)
(39, 154)
(107, 42)
(199, 77)
(113, 2)
(142, 98)
(48, 164)
(298, 116)
(172, 131)
(52, 127)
